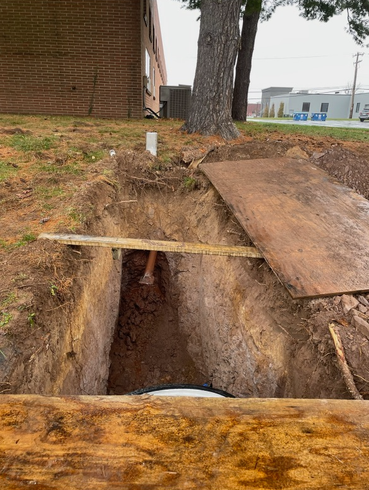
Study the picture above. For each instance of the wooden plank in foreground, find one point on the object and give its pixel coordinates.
(158, 245)
(143, 442)
(312, 230)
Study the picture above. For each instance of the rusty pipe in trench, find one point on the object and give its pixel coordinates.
(148, 277)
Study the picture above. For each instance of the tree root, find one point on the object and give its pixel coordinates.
(342, 363)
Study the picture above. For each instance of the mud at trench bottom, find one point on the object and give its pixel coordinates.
(148, 348)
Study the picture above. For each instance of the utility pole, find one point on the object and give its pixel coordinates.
(356, 63)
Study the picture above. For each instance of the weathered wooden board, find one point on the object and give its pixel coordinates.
(312, 230)
(143, 442)
(157, 245)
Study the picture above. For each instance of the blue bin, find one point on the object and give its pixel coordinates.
(318, 116)
(300, 116)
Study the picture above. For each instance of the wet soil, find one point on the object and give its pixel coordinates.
(148, 348)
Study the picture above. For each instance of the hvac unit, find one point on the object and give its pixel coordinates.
(175, 101)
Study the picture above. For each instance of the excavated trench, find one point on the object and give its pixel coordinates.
(148, 347)
(223, 321)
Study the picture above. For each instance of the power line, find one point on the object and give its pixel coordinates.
(301, 57)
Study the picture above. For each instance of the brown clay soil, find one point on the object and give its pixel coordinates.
(74, 320)
(148, 349)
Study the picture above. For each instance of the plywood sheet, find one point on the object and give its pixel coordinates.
(312, 230)
(149, 442)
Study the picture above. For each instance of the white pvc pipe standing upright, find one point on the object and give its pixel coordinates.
(152, 143)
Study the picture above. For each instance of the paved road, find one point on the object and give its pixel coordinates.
(329, 124)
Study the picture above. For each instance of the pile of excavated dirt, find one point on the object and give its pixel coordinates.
(76, 320)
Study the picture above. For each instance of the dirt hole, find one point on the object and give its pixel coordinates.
(148, 347)
(83, 324)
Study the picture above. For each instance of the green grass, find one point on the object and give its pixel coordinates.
(26, 238)
(94, 156)
(6, 170)
(48, 207)
(20, 277)
(26, 143)
(9, 299)
(347, 134)
(12, 120)
(77, 216)
(48, 192)
(108, 130)
(72, 168)
(4, 245)
(5, 318)
(32, 319)
(189, 183)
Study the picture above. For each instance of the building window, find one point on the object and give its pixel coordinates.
(147, 63)
(145, 11)
(153, 83)
(153, 39)
(305, 106)
(147, 71)
(357, 107)
(324, 107)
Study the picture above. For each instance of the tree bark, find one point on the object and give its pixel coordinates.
(211, 104)
(244, 62)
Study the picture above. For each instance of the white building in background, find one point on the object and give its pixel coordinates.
(336, 105)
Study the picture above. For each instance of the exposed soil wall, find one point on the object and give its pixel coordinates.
(73, 295)
(86, 364)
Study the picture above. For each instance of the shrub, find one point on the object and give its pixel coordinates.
(281, 110)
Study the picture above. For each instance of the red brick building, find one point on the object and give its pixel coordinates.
(102, 58)
(254, 109)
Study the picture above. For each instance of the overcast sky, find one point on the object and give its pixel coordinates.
(289, 51)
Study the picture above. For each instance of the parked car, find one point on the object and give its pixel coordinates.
(364, 114)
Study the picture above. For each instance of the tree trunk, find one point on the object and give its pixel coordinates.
(211, 104)
(243, 69)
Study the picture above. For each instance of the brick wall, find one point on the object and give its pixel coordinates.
(75, 57)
